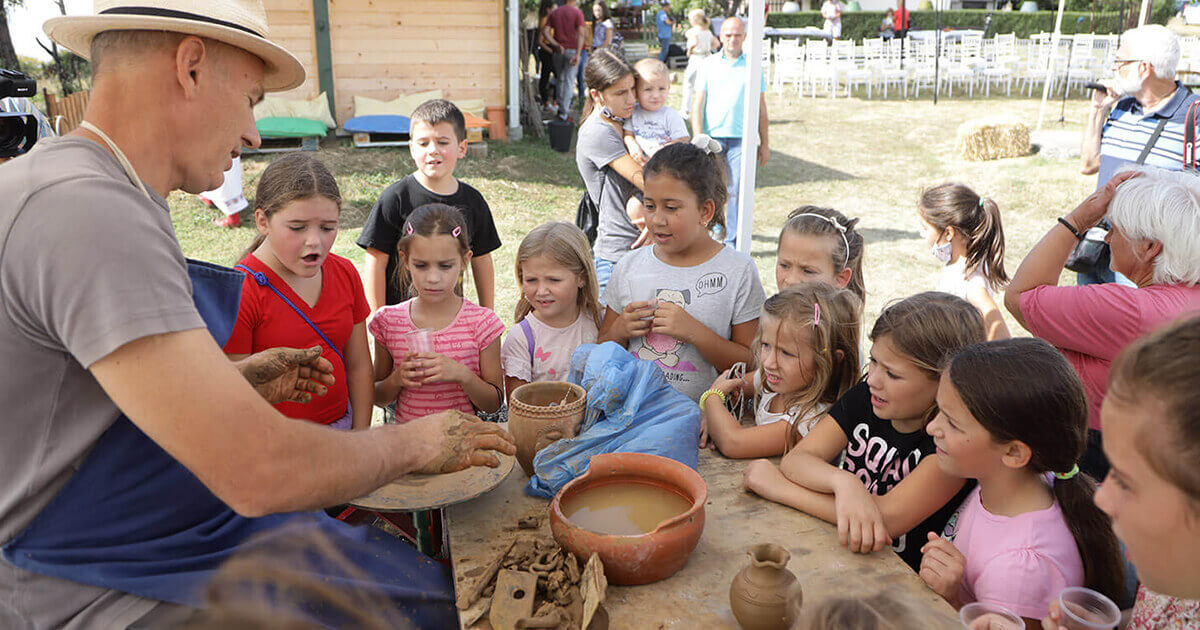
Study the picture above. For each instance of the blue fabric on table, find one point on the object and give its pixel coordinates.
(631, 408)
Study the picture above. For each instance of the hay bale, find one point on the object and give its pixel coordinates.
(992, 138)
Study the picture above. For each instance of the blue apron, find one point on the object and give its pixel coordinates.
(135, 520)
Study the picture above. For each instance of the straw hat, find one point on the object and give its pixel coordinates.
(240, 23)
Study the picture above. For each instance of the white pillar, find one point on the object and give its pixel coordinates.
(1142, 17)
(752, 48)
(514, 69)
(1050, 71)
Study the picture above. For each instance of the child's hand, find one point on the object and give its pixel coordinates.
(639, 156)
(942, 567)
(439, 368)
(704, 442)
(670, 319)
(1054, 620)
(407, 373)
(859, 521)
(642, 240)
(635, 320)
(726, 384)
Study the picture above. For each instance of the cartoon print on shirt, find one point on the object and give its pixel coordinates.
(664, 349)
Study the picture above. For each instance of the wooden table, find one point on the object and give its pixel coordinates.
(698, 595)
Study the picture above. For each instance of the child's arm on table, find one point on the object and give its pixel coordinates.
(672, 320)
(993, 321)
(375, 283)
(483, 389)
(360, 378)
(728, 434)
(484, 273)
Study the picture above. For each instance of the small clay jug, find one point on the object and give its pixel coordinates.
(759, 593)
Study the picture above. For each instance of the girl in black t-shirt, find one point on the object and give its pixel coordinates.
(888, 489)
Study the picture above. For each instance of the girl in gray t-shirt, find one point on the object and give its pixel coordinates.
(688, 303)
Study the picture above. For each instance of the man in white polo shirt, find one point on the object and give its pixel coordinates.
(718, 107)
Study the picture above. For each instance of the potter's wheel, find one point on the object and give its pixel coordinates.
(415, 491)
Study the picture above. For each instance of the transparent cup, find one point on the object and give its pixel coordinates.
(981, 616)
(645, 292)
(420, 340)
(1085, 609)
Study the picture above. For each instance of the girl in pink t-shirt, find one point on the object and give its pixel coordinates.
(462, 369)
(1013, 416)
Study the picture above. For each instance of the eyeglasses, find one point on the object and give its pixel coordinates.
(1117, 63)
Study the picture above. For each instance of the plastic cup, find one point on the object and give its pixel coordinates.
(645, 292)
(1085, 609)
(420, 340)
(981, 616)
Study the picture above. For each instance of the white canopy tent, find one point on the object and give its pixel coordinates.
(753, 48)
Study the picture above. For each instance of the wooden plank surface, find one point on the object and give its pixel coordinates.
(698, 595)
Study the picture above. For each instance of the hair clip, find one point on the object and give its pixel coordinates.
(456, 231)
(706, 143)
(816, 314)
(981, 200)
(837, 226)
(408, 229)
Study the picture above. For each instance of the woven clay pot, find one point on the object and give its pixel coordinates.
(639, 559)
(542, 413)
(759, 593)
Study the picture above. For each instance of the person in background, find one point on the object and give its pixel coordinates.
(566, 25)
(901, 19)
(831, 10)
(663, 25)
(230, 198)
(820, 244)
(545, 56)
(700, 44)
(717, 111)
(1138, 119)
(603, 31)
(887, 28)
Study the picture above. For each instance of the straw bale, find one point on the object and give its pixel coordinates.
(992, 138)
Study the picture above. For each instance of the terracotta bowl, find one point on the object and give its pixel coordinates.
(542, 413)
(644, 558)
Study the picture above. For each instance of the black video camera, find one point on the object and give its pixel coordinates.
(18, 130)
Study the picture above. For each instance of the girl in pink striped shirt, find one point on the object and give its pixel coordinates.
(462, 370)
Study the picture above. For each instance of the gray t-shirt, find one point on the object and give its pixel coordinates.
(599, 145)
(720, 293)
(653, 129)
(87, 264)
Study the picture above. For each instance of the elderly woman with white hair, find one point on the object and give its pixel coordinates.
(1155, 242)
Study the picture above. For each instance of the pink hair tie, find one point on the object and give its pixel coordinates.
(816, 315)
(456, 232)
(408, 229)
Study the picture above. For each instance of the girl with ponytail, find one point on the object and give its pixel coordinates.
(964, 232)
(1012, 415)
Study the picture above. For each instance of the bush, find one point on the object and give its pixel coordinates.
(859, 25)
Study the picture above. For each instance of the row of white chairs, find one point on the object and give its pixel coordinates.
(967, 62)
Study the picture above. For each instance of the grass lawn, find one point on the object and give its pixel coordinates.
(869, 159)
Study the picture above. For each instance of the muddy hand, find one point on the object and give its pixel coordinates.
(464, 441)
(288, 374)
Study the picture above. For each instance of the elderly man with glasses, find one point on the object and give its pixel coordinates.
(1140, 118)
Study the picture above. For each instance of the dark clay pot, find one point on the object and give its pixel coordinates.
(759, 593)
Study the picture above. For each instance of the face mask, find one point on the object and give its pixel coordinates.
(607, 113)
(942, 252)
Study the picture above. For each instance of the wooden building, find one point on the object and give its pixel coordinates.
(383, 48)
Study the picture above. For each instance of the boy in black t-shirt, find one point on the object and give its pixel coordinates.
(438, 140)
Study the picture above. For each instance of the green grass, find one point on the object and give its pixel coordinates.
(869, 159)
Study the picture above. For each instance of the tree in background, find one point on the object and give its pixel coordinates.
(69, 69)
(8, 54)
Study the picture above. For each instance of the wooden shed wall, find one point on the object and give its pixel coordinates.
(382, 48)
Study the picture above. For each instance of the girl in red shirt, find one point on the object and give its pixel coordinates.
(298, 294)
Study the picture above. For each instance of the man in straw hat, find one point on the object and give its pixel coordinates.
(108, 366)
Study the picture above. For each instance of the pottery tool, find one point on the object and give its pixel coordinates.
(470, 595)
(513, 599)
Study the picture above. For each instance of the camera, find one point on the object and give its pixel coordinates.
(18, 130)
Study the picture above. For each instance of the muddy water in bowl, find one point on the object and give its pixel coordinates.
(541, 413)
(624, 509)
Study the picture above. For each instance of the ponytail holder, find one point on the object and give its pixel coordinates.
(816, 314)
(981, 200)
(706, 143)
(455, 232)
(1068, 475)
(408, 229)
